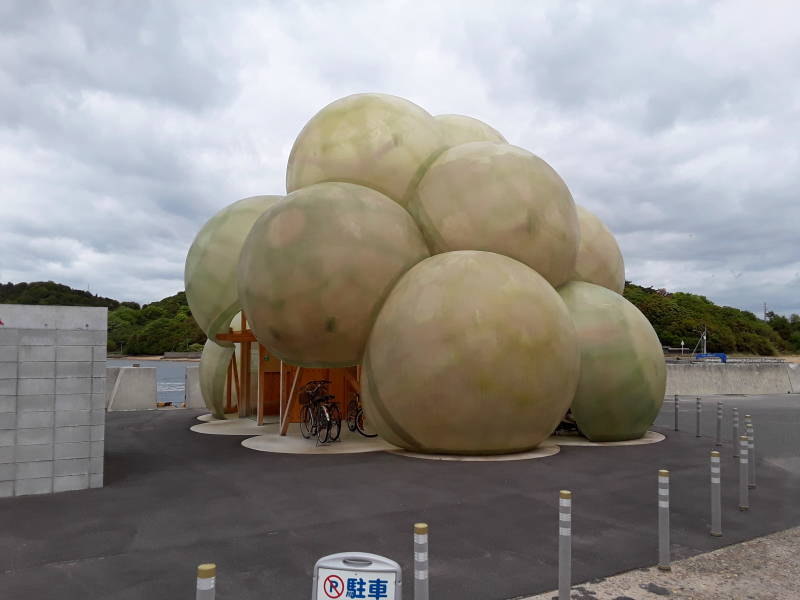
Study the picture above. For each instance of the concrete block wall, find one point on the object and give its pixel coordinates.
(193, 395)
(52, 398)
(134, 389)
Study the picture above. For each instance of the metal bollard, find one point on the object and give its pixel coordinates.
(699, 409)
(206, 581)
(663, 520)
(744, 501)
(716, 495)
(751, 453)
(719, 424)
(735, 433)
(564, 544)
(677, 403)
(420, 561)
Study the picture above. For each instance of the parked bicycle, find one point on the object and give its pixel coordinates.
(319, 416)
(355, 417)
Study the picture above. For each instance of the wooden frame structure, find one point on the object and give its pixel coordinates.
(344, 382)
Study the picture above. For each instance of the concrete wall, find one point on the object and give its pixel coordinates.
(52, 398)
(194, 397)
(793, 369)
(703, 379)
(134, 389)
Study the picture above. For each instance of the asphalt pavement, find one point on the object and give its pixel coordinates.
(174, 499)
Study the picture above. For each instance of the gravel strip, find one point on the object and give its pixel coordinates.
(762, 568)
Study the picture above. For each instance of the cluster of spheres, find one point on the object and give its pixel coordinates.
(454, 267)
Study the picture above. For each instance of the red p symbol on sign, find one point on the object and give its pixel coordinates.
(333, 586)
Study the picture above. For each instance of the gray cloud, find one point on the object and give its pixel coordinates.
(124, 126)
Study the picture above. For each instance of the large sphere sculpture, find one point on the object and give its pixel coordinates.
(460, 129)
(376, 140)
(499, 198)
(316, 268)
(212, 262)
(213, 371)
(472, 353)
(599, 258)
(622, 370)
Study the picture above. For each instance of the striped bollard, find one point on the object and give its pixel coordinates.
(677, 403)
(564, 544)
(206, 581)
(735, 433)
(663, 520)
(699, 409)
(716, 496)
(420, 561)
(751, 453)
(719, 424)
(744, 501)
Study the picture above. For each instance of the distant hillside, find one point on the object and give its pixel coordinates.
(47, 292)
(679, 316)
(168, 325)
(155, 328)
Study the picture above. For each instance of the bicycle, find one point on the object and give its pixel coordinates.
(319, 416)
(355, 417)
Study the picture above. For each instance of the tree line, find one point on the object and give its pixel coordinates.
(168, 326)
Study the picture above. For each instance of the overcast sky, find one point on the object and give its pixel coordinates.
(125, 125)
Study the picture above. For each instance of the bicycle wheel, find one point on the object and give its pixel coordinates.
(323, 424)
(336, 422)
(361, 426)
(307, 421)
(352, 409)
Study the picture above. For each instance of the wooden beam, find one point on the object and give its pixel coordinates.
(354, 383)
(236, 381)
(290, 403)
(244, 405)
(281, 394)
(237, 337)
(229, 387)
(262, 386)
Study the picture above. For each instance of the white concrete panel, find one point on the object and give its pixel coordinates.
(82, 433)
(72, 450)
(134, 389)
(34, 453)
(28, 487)
(74, 353)
(73, 402)
(35, 387)
(8, 370)
(73, 418)
(43, 403)
(9, 353)
(37, 353)
(193, 395)
(37, 370)
(34, 420)
(69, 483)
(8, 437)
(34, 470)
(27, 437)
(71, 466)
(6, 489)
(36, 337)
(8, 404)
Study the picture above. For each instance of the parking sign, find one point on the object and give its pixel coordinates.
(357, 575)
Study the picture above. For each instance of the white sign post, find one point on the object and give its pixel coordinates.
(357, 575)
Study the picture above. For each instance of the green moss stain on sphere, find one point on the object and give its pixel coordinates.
(212, 262)
(213, 373)
(316, 268)
(499, 198)
(622, 374)
(460, 129)
(599, 258)
(376, 140)
(472, 353)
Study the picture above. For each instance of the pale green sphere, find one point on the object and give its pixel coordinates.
(376, 140)
(472, 353)
(212, 262)
(213, 373)
(316, 269)
(460, 129)
(599, 258)
(622, 374)
(499, 198)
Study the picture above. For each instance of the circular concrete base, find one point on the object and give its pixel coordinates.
(231, 427)
(294, 443)
(651, 437)
(209, 417)
(545, 449)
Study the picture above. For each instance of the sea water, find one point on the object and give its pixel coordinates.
(170, 377)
